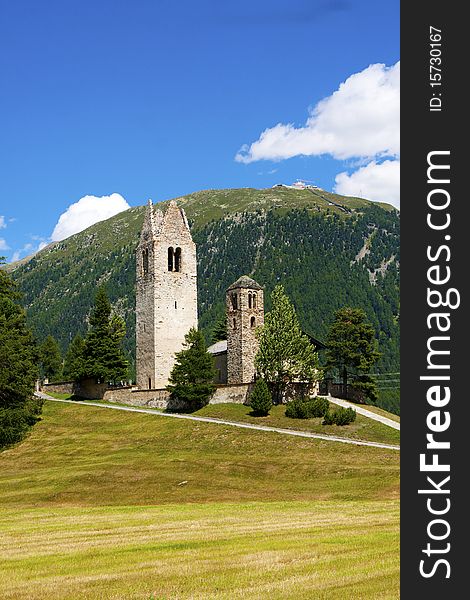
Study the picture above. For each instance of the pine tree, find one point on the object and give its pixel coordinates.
(260, 399)
(103, 357)
(50, 358)
(191, 379)
(352, 349)
(219, 330)
(285, 354)
(18, 366)
(73, 362)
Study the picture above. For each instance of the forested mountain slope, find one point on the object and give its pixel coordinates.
(327, 250)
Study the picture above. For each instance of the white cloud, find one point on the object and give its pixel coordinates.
(3, 245)
(376, 181)
(2, 222)
(87, 211)
(360, 119)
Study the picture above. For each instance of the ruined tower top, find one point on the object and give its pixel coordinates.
(166, 296)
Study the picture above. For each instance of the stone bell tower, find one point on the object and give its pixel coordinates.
(166, 293)
(245, 312)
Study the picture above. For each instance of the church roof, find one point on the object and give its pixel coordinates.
(245, 282)
(218, 348)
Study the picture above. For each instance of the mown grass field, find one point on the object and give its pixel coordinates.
(103, 504)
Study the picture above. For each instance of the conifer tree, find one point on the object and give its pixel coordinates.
(260, 399)
(18, 366)
(192, 376)
(352, 349)
(285, 353)
(50, 358)
(73, 362)
(103, 357)
(219, 330)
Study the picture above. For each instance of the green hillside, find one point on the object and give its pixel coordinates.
(327, 250)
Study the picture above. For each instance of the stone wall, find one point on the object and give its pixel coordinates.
(63, 387)
(237, 393)
(160, 398)
(88, 389)
(152, 398)
(328, 387)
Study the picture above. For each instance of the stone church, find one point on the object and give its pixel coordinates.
(166, 304)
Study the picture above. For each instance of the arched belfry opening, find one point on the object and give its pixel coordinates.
(145, 261)
(177, 260)
(174, 259)
(166, 292)
(234, 300)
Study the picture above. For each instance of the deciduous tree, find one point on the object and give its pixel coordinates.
(285, 353)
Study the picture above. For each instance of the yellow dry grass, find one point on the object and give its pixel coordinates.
(99, 504)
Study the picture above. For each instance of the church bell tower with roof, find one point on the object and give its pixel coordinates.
(245, 312)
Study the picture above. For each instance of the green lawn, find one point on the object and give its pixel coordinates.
(362, 428)
(102, 504)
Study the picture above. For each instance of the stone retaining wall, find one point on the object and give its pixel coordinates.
(63, 387)
(158, 398)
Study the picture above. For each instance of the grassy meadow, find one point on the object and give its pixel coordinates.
(362, 428)
(102, 504)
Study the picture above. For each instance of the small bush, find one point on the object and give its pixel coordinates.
(260, 399)
(307, 408)
(297, 409)
(319, 406)
(341, 416)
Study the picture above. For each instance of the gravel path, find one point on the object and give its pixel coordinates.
(305, 434)
(365, 412)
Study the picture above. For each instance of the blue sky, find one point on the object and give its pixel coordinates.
(156, 99)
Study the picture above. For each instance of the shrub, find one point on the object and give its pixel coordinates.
(297, 409)
(319, 406)
(307, 408)
(341, 416)
(260, 399)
